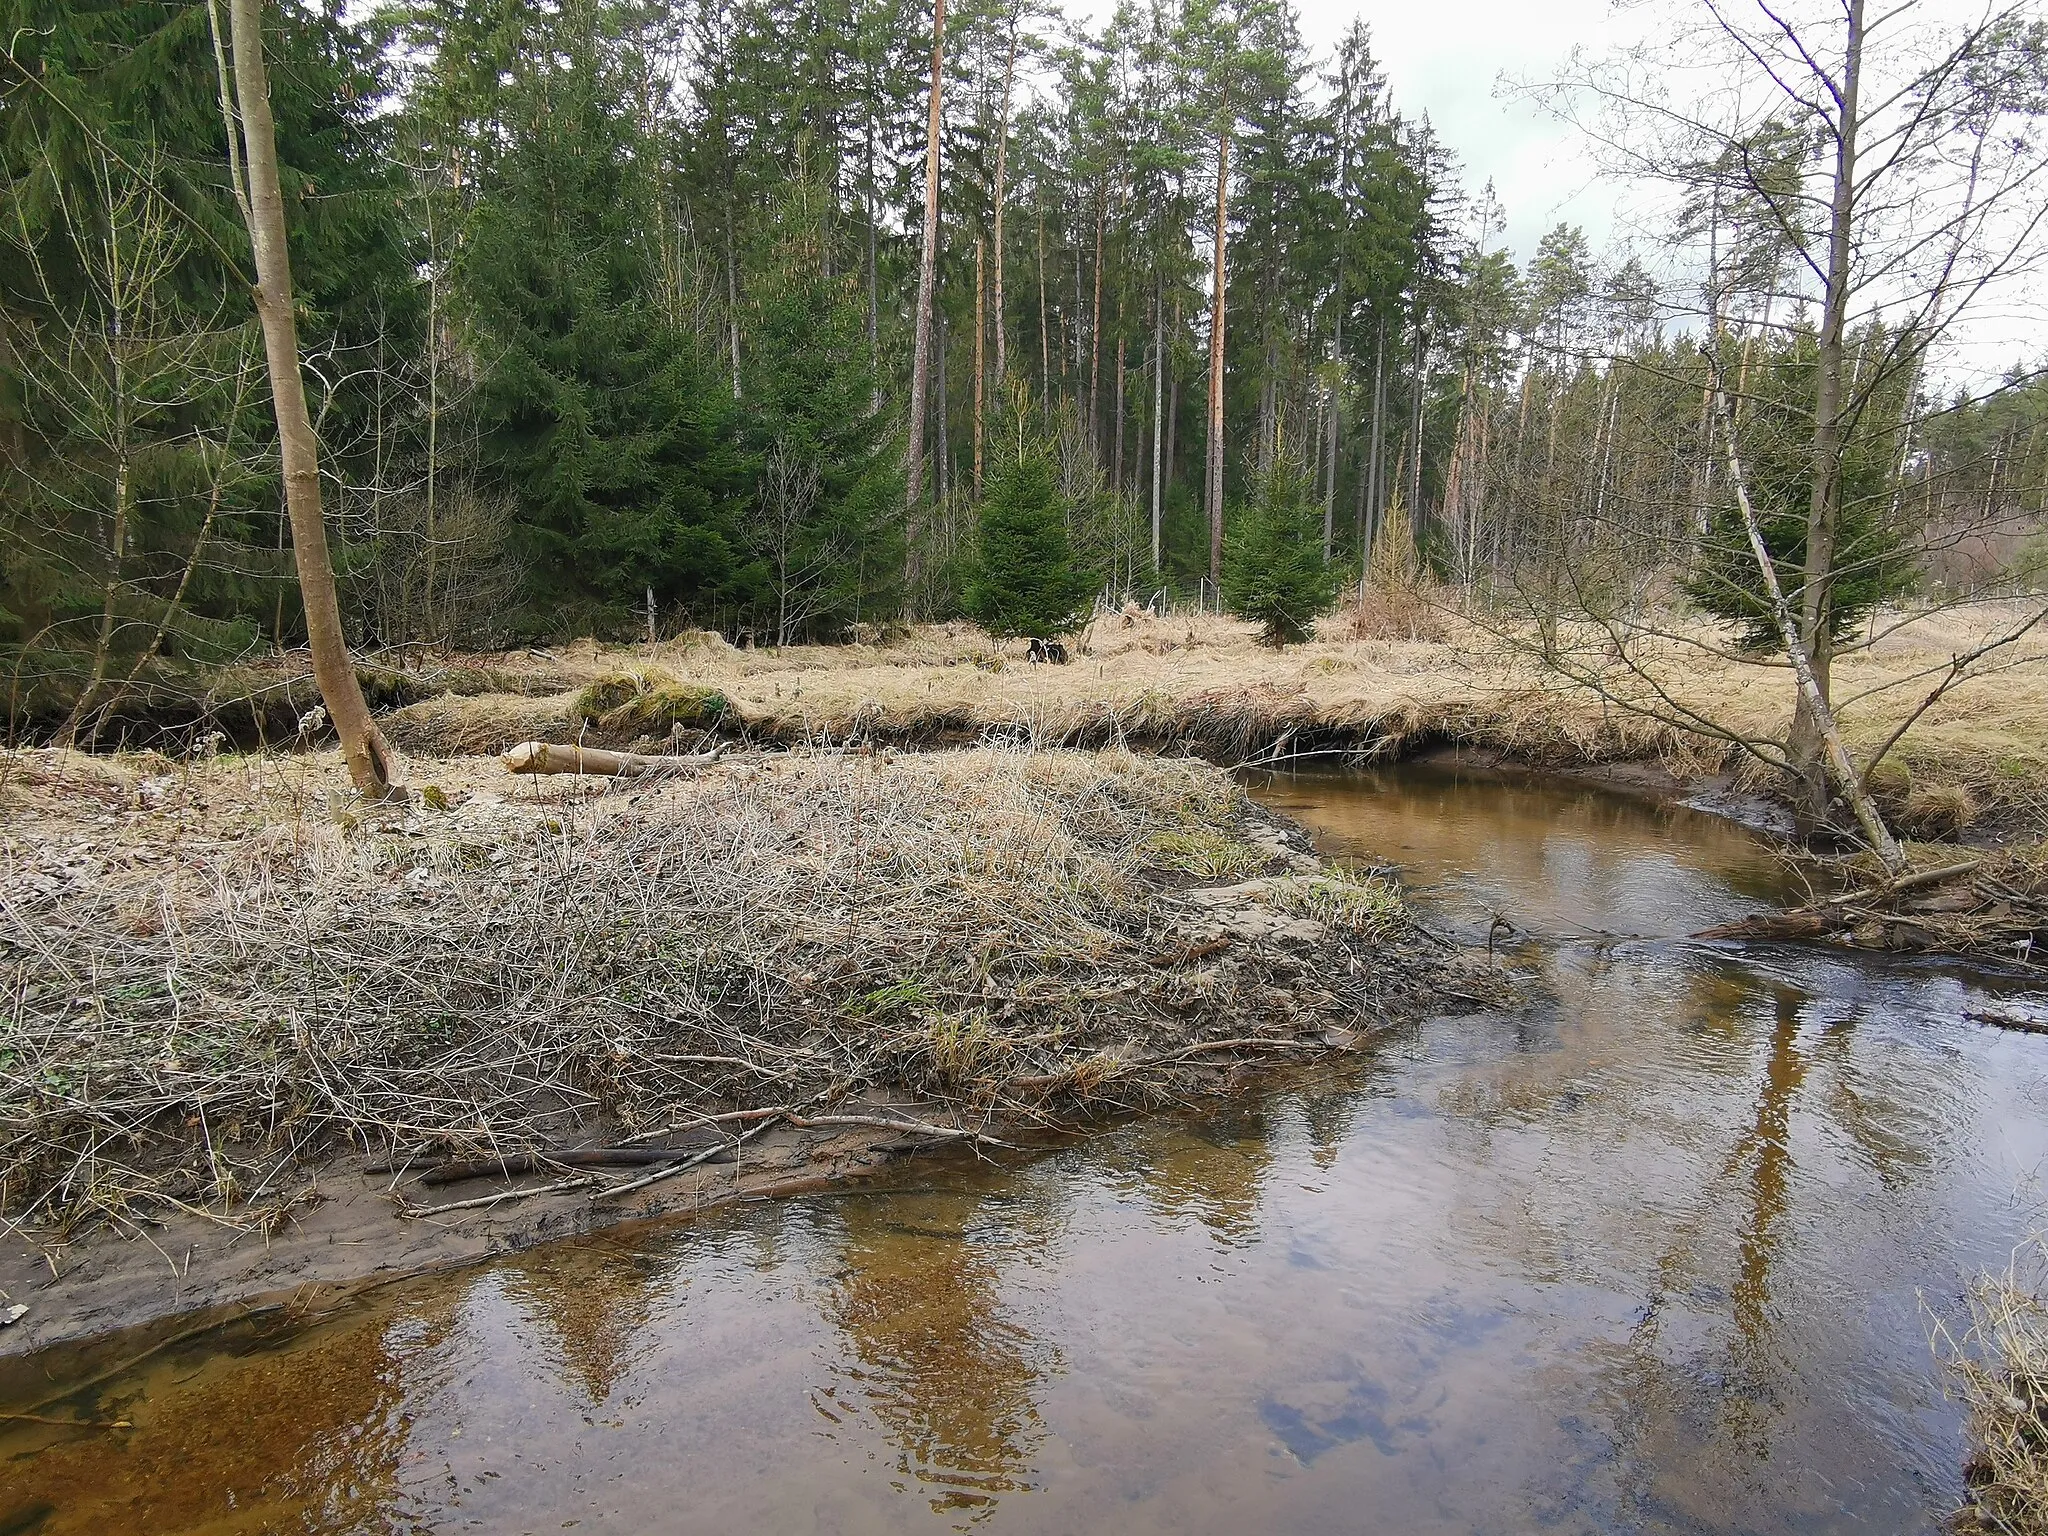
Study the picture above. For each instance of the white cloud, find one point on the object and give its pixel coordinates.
(1447, 60)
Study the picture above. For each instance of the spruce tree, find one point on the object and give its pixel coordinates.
(1274, 573)
(597, 418)
(111, 123)
(1873, 564)
(1026, 581)
(812, 395)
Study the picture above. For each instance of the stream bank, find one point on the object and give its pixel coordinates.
(258, 1029)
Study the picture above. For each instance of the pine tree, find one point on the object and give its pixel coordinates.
(1026, 581)
(1274, 573)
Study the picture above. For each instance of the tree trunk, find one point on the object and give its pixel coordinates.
(1095, 331)
(1421, 394)
(1824, 509)
(928, 269)
(1218, 303)
(1336, 406)
(1369, 492)
(1044, 325)
(1834, 755)
(980, 331)
(362, 745)
(1002, 166)
(1116, 453)
(874, 273)
(1158, 401)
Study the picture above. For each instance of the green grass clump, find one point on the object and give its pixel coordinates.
(1209, 855)
(631, 701)
(1371, 906)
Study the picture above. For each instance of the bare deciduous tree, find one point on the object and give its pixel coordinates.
(1881, 176)
(362, 744)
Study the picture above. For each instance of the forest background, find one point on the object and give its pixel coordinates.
(615, 321)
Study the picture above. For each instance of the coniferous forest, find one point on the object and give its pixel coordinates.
(736, 314)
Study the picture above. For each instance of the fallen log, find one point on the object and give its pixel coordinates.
(1799, 923)
(561, 757)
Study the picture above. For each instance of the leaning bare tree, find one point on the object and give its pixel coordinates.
(1891, 164)
(262, 205)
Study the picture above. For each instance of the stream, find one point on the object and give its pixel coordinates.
(1648, 1254)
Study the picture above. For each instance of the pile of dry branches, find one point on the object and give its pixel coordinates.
(1999, 1369)
(1993, 904)
(984, 930)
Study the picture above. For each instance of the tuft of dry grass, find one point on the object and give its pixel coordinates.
(1998, 1369)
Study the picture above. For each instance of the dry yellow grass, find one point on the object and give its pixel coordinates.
(1206, 683)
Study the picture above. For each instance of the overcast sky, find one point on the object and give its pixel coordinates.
(1446, 59)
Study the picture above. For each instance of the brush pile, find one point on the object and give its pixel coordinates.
(1994, 905)
(207, 996)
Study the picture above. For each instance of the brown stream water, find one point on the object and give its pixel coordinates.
(1646, 1255)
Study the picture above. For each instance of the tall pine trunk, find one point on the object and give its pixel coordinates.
(1217, 316)
(980, 331)
(1158, 403)
(362, 745)
(928, 270)
(1002, 167)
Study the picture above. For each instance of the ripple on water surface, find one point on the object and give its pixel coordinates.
(1641, 1257)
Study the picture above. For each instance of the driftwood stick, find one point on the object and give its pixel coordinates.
(683, 1165)
(560, 757)
(1250, 1042)
(695, 1122)
(515, 1163)
(1946, 872)
(481, 1201)
(915, 1127)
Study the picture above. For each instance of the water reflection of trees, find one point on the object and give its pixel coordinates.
(1214, 1172)
(593, 1301)
(311, 1434)
(938, 1361)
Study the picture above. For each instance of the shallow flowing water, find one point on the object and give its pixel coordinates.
(1645, 1256)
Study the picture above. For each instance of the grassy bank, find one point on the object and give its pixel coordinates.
(1978, 759)
(225, 973)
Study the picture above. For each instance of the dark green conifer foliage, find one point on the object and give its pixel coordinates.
(813, 391)
(597, 418)
(110, 116)
(1026, 581)
(1775, 431)
(1273, 569)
